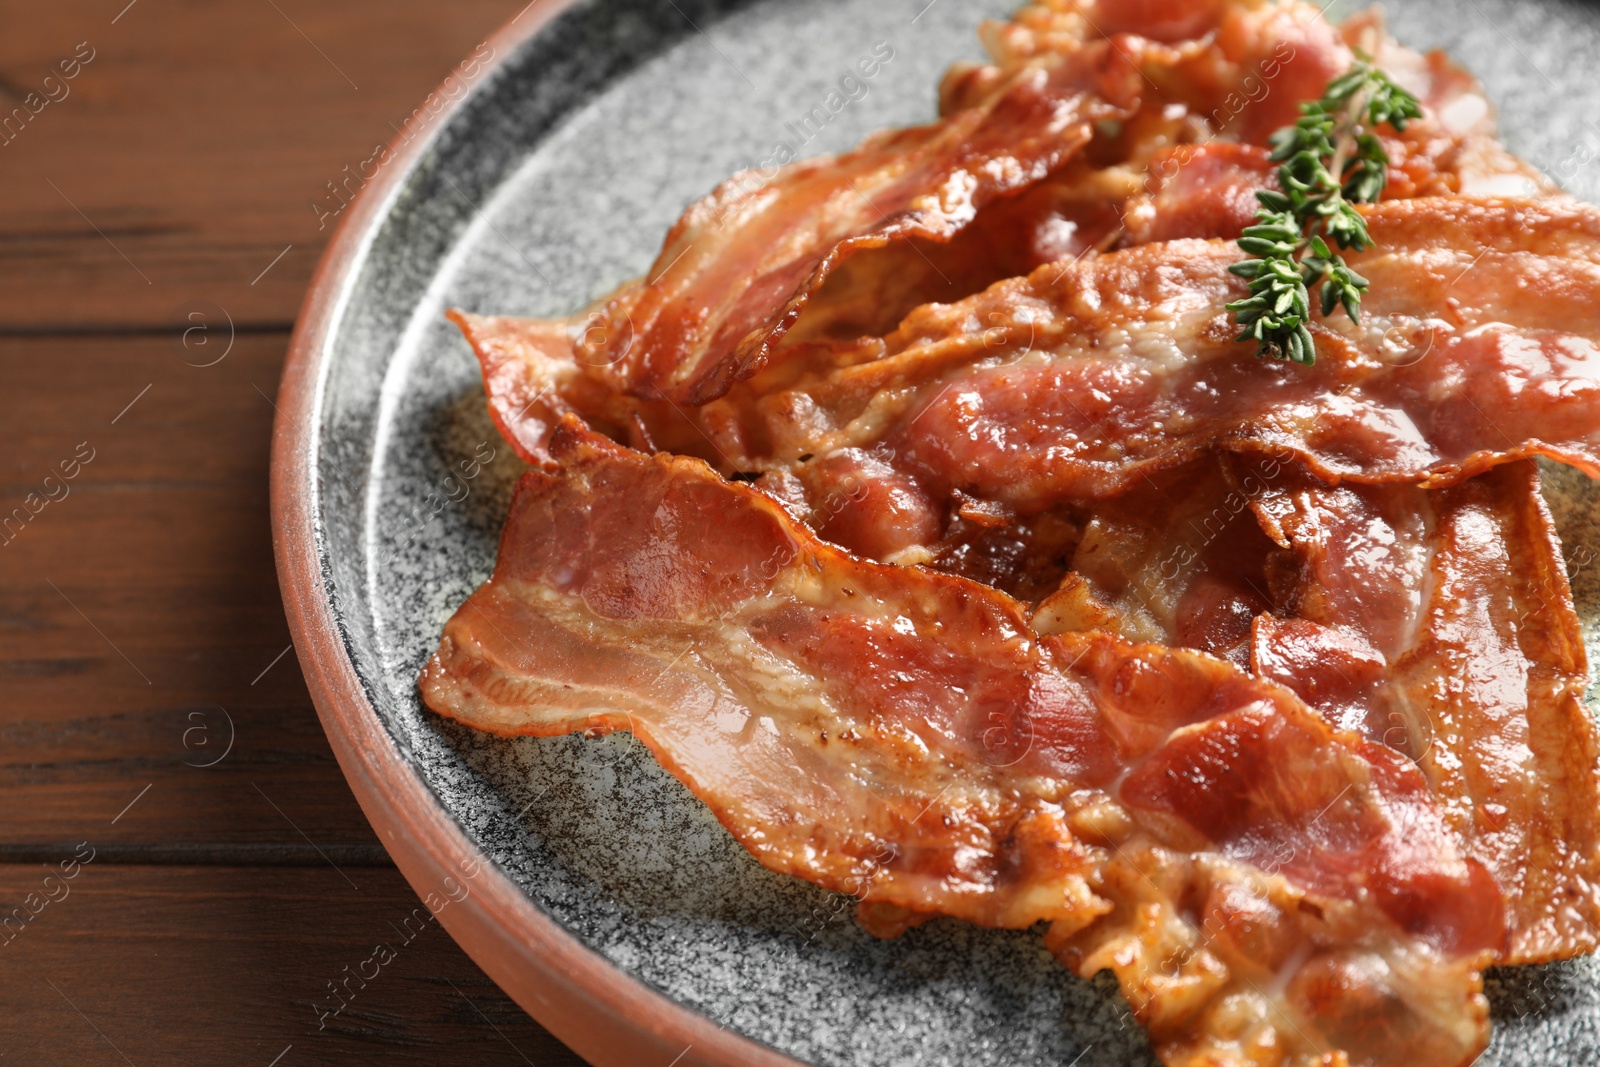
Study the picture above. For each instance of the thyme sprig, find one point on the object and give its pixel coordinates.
(1329, 161)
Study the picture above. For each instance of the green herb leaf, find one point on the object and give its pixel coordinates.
(1329, 161)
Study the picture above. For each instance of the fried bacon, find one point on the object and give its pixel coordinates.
(1477, 346)
(1003, 584)
(905, 737)
(740, 266)
(1083, 133)
(1460, 599)
(1437, 623)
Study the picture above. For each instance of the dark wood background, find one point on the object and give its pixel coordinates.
(140, 622)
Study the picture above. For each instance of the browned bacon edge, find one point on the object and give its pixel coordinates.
(1478, 345)
(1254, 879)
(1438, 623)
(739, 267)
(1461, 599)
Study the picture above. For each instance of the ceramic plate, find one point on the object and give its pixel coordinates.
(608, 901)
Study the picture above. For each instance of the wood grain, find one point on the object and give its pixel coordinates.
(142, 618)
(225, 965)
(147, 702)
(196, 142)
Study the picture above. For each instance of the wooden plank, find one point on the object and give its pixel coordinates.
(225, 965)
(141, 631)
(140, 621)
(188, 152)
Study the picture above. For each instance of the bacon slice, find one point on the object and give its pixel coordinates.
(1075, 212)
(1256, 880)
(799, 260)
(1461, 598)
(1438, 623)
(739, 267)
(1477, 346)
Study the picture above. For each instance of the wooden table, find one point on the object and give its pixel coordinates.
(158, 742)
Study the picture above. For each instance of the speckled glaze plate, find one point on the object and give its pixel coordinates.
(585, 880)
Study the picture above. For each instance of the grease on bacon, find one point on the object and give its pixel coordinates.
(1442, 625)
(1293, 757)
(906, 737)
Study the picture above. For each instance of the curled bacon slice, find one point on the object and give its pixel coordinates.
(1256, 880)
(1438, 623)
(831, 251)
(739, 267)
(1461, 599)
(1477, 346)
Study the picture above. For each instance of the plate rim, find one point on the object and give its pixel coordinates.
(603, 1013)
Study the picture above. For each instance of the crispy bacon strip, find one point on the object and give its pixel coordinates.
(1438, 623)
(739, 267)
(1460, 599)
(1477, 346)
(801, 260)
(1256, 880)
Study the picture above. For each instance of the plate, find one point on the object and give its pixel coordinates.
(586, 881)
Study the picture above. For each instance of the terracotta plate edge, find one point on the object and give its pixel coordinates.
(604, 1014)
